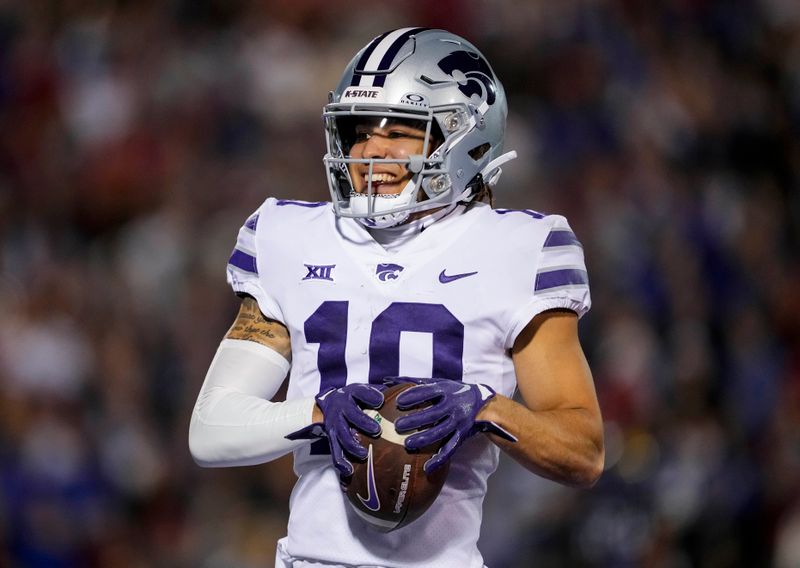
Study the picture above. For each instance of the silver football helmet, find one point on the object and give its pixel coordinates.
(439, 83)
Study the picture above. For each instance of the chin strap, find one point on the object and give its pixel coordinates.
(491, 173)
(382, 219)
(359, 202)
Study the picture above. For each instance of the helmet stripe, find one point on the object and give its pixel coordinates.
(391, 53)
(371, 65)
(364, 58)
(379, 56)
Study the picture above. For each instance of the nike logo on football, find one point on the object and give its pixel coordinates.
(444, 278)
(371, 502)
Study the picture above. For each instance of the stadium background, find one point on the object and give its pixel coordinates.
(136, 136)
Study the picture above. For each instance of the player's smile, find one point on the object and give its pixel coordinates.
(384, 140)
(382, 182)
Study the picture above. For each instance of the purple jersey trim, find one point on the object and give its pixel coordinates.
(561, 277)
(243, 261)
(252, 222)
(282, 202)
(531, 212)
(560, 238)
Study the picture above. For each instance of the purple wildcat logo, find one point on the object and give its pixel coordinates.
(388, 271)
(473, 74)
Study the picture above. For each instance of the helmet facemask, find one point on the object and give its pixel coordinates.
(429, 186)
(373, 208)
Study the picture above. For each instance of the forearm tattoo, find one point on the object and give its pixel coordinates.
(251, 325)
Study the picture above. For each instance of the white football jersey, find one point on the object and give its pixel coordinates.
(448, 303)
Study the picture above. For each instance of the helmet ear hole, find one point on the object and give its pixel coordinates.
(479, 151)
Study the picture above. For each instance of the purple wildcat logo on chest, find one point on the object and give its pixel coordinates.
(388, 271)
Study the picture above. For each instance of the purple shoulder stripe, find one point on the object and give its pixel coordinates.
(560, 277)
(252, 222)
(243, 261)
(560, 238)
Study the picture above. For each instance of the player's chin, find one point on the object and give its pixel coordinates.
(390, 188)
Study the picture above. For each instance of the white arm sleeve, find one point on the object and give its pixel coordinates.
(234, 422)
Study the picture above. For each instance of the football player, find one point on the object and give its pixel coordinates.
(407, 272)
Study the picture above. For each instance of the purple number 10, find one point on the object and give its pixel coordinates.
(328, 327)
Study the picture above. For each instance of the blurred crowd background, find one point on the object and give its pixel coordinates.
(136, 136)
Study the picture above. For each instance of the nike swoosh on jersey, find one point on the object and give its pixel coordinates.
(371, 502)
(444, 278)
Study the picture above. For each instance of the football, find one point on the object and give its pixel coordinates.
(390, 489)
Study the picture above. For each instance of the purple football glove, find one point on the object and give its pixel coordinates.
(343, 418)
(452, 417)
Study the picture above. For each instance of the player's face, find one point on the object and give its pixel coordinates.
(384, 138)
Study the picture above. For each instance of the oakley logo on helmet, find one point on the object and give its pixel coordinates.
(479, 78)
(414, 99)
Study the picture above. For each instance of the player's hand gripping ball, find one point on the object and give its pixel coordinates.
(446, 415)
(390, 488)
(343, 417)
